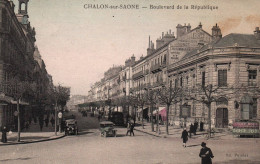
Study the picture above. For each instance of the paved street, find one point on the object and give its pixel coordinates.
(89, 147)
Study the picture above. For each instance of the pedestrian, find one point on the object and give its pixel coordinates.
(46, 122)
(4, 132)
(196, 124)
(128, 128)
(52, 122)
(132, 129)
(205, 154)
(191, 129)
(184, 137)
(27, 125)
(201, 126)
(41, 124)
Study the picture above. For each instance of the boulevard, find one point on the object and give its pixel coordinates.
(89, 147)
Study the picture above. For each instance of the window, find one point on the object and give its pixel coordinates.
(203, 79)
(254, 111)
(222, 78)
(181, 82)
(187, 80)
(252, 77)
(176, 83)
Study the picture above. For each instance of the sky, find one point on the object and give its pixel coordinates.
(79, 44)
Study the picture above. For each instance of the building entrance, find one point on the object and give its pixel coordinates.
(222, 118)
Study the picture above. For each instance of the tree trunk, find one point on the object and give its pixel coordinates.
(151, 113)
(167, 119)
(56, 118)
(157, 123)
(209, 119)
(18, 123)
(143, 117)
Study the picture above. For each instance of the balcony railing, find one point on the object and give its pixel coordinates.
(157, 67)
(138, 75)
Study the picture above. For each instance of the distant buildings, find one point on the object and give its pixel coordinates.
(194, 59)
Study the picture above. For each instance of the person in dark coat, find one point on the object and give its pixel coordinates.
(191, 129)
(46, 122)
(196, 124)
(52, 122)
(205, 154)
(4, 132)
(184, 137)
(128, 128)
(132, 129)
(201, 126)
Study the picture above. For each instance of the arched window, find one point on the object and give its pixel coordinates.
(222, 101)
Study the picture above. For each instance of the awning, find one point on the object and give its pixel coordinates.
(140, 109)
(21, 102)
(160, 109)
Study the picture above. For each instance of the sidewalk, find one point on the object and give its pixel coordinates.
(175, 132)
(32, 135)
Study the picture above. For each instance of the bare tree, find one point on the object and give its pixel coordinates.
(151, 97)
(207, 95)
(167, 95)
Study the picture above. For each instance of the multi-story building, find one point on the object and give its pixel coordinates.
(17, 47)
(230, 65)
(196, 60)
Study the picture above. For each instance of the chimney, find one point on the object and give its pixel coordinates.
(159, 43)
(216, 32)
(162, 35)
(150, 47)
(257, 33)
(200, 25)
(133, 58)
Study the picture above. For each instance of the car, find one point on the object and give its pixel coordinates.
(71, 127)
(107, 129)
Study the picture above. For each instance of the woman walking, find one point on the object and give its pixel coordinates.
(4, 138)
(184, 137)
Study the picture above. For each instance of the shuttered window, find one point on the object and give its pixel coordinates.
(203, 79)
(222, 78)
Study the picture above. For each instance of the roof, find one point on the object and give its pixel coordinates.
(247, 40)
(242, 40)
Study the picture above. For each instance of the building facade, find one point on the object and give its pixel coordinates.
(195, 60)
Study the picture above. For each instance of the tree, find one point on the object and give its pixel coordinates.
(167, 95)
(18, 90)
(61, 95)
(141, 101)
(207, 95)
(151, 100)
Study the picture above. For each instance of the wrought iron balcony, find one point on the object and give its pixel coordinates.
(157, 67)
(138, 75)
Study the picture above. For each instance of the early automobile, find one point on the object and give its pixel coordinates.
(107, 129)
(71, 127)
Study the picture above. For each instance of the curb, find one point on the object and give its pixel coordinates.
(35, 141)
(149, 133)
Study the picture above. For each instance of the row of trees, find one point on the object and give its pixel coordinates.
(169, 95)
(35, 95)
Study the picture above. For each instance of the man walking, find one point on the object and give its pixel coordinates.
(184, 137)
(205, 154)
(128, 128)
(132, 129)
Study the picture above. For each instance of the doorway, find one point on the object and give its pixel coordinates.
(222, 118)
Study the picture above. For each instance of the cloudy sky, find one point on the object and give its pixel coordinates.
(78, 45)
